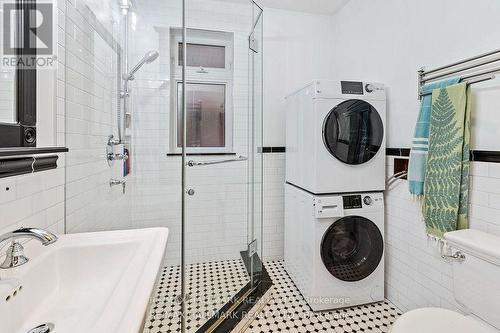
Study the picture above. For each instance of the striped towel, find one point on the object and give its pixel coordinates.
(420, 145)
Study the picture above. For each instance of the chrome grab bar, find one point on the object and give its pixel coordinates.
(192, 163)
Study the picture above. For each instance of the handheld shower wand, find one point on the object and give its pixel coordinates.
(148, 58)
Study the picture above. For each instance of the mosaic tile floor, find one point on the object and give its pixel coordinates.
(211, 284)
(289, 312)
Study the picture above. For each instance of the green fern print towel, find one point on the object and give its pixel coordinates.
(447, 174)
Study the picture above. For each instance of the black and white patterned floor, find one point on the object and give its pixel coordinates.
(212, 284)
(288, 311)
(209, 286)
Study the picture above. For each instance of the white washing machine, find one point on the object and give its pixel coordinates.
(335, 138)
(334, 247)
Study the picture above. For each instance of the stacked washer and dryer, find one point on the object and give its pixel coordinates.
(334, 205)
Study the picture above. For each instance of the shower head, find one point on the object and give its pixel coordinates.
(148, 58)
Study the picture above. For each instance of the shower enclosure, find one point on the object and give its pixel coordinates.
(174, 141)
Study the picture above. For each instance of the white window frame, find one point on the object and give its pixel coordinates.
(228, 119)
(197, 75)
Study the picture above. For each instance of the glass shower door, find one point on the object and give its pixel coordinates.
(255, 140)
(220, 134)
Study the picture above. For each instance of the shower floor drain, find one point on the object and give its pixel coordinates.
(44, 328)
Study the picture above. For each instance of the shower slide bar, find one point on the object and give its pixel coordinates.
(192, 163)
(473, 70)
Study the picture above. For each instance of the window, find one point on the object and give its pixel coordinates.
(199, 55)
(205, 115)
(209, 104)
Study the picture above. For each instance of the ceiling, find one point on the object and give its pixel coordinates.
(326, 7)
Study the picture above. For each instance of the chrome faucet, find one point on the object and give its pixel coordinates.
(15, 253)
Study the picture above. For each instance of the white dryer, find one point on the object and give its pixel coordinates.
(334, 247)
(335, 138)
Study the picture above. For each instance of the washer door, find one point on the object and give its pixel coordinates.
(353, 131)
(352, 248)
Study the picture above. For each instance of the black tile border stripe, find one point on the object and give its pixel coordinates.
(492, 156)
(263, 150)
(485, 156)
(397, 152)
(16, 151)
(23, 165)
(267, 150)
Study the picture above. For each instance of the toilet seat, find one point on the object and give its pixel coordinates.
(437, 320)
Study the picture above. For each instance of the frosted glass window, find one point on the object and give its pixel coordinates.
(205, 115)
(201, 55)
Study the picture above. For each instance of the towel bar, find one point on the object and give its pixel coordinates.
(473, 68)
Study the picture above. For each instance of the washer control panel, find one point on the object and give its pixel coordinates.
(357, 201)
(338, 205)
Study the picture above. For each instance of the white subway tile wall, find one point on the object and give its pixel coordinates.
(91, 91)
(416, 275)
(274, 206)
(33, 200)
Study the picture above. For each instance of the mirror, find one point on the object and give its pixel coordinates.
(18, 45)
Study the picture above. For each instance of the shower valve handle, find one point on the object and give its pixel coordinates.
(113, 157)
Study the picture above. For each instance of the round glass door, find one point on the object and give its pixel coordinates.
(352, 248)
(353, 131)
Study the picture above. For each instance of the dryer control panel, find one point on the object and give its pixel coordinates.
(366, 91)
(352, 201)
(351, 87)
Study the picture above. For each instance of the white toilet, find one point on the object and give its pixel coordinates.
(476, 286)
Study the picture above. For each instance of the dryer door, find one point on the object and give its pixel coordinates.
(352, 248)
(353, 131)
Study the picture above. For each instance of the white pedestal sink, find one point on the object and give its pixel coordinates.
(84, 283)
